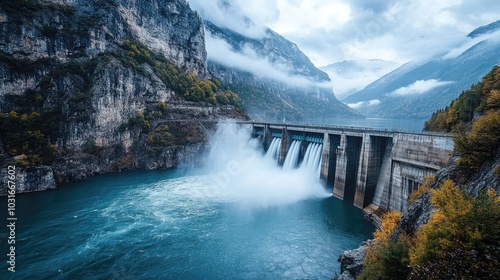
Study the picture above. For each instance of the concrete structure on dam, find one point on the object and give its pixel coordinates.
(375, 169)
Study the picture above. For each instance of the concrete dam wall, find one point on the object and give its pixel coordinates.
(373, 169)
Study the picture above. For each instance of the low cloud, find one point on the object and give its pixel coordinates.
(455, 52)
(248, 60)
(357, 105)
(244, 17)
(349, 77)
(336, 30)
(419, 87)
(390, 30)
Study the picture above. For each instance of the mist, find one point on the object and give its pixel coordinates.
(218, 50)
(237, 167)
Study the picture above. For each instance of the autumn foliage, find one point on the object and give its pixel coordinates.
(461, 241)
(136, 55)
(479, 143)
(421, 189)
(480, 98)
(475, 120)
(31, 136)
(386, 259)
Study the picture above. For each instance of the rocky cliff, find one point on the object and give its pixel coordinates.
(89, 87)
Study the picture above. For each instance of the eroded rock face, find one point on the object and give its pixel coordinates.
(62, 29)
(49, 32)
(66, 57)
(32, 179)
(351, 262)
(418, 214)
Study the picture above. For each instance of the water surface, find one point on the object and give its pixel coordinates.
(170, 225)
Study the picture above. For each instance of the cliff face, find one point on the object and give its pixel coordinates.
(38, 36)
(69, 29)
(96, 83)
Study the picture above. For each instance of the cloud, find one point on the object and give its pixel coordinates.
(344, 86)
(390, 30)
(455, 52)
(419, 87)
(329, 31)
(245, 17)
(220, 51)
(349, 77)
(305, 16)
(358, 105)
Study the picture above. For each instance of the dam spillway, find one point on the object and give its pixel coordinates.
(373, 169)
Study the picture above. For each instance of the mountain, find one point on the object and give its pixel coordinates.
(419, 88)
(484, 30)
(350, 76)
(274, 79)
(90, 87)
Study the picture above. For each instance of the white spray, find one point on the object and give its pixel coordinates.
(238, 168)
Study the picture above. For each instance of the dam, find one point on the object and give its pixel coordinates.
(376, 170)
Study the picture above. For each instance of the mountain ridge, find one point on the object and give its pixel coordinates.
(293, 89)
(417, 89)
(486, 29)
(350, 76)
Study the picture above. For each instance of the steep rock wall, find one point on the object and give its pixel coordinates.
(107, 108)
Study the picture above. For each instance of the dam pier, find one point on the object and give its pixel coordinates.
(373, 169)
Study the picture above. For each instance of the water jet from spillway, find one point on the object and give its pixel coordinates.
(238, 167)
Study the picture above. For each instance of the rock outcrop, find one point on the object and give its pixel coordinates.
(100, 85)
(31, 179)
(351, 262)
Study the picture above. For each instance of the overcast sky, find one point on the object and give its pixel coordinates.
(329, 31)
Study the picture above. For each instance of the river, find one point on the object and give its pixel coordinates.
(241, 218)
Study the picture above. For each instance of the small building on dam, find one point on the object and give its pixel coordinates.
(373, 169)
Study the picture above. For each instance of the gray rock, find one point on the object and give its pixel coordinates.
(351, 262)
(30, 179)
(67, 51)
(418, 214)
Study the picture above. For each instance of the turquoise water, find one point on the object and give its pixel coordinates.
(168, 225)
